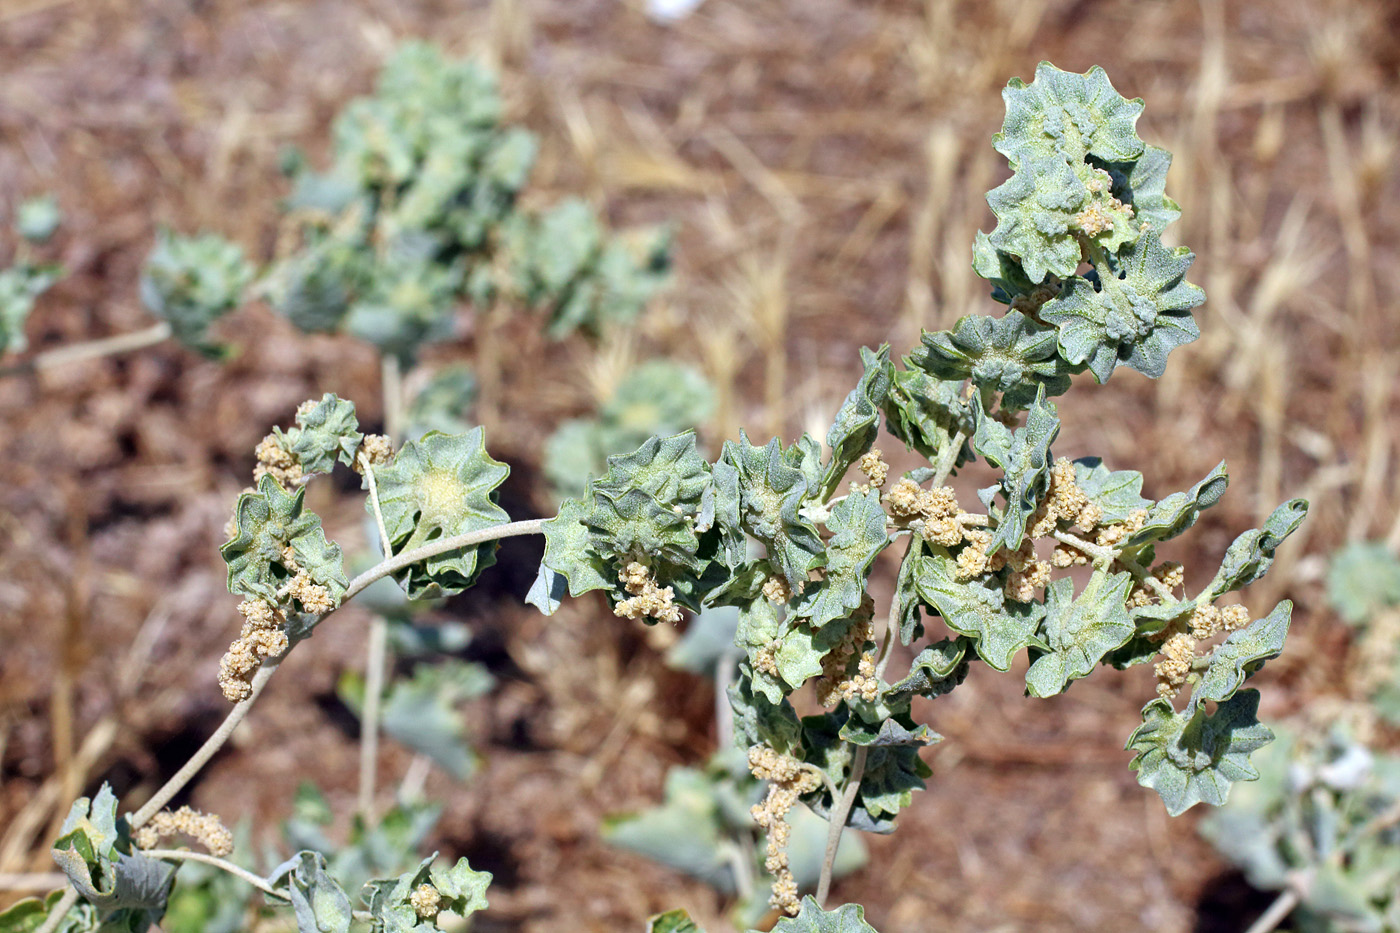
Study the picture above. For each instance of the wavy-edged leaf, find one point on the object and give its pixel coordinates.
(1080, 630)
(978, 609)
(1069, 115)
(1195, 756)
(759, 491)
(29, 914)
(1244, 652)
(266, 522)
(1009, 280)
(1036, 211)
(440, 486)
(461, 892)
(857, 422)
(569, 560)
(1011, 354)
(858, 526)
(328, 431)
(320, 904)
(897, 730)
(935, 671)
(191, 282)
(1117, 492)
(1134, 319)
(926, 414)
(1251, 555)
(848, 918)
(795, 647)
(1142, 185)
(1024, 457)
(1175, 514)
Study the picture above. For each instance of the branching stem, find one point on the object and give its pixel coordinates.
(260, 678)
(1106, 555)
(91, 350)
(840, 810)
(185, 855)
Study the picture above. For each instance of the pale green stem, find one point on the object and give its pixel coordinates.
(55, 917)
(840, 810)
(1105, 556)
(376, 660)
(260, 678)
(91, 350)
(185, 855)
(1281, 907)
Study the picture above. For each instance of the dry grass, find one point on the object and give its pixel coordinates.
(823, 164)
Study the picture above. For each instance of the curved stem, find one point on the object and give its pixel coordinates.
(55, 917)
(1107, 555)
(1281, 907)
(398, 562)
(210, 747)
(264, 673)
(185, 855)
(91, 350)
(840, 811)
(375, 662)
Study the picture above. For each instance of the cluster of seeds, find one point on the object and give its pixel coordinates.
(875, 468)
(648, 600)
(836, 682)
(787, 780)
(205, 828)
(776, 589)
(426, 901)
(1179, 642)
(263, 635)
(933, 513)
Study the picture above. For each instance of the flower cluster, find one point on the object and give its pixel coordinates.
(788, 779)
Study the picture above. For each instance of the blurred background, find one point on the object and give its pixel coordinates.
(822, 165)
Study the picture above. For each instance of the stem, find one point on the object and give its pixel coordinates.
(398, 562)
(185, 855)
(375, 662)
(60, 910)
(210, 747)
(391, 387)
(32, 880)
(1107, 555)
(264, 673)
(840, 811)
(91, 350)
(947, 459)
(882, 660)
(1281, 907)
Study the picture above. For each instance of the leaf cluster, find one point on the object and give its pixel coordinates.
(419, 212)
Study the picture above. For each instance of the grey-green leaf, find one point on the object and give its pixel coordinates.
(1252, 553)
(848, 918)
(1240, 655)
(858, 421)
(978, 609)
(1134, 318)
(1080, 630)
(321, 906)
(1195, 756)
(442, 485)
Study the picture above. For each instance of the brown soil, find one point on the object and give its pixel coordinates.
(822, 162)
